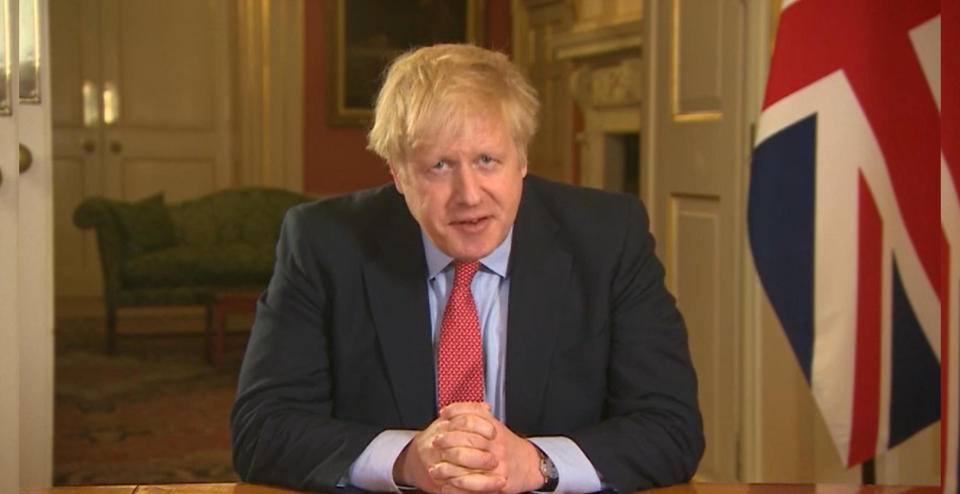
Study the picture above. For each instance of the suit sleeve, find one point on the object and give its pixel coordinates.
(652, 434)
(282, 426)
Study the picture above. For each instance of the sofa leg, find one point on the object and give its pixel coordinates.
(220, 320)
(208, 339)
(111, 331)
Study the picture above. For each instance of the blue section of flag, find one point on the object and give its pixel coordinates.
(915, 374)
(780, 217)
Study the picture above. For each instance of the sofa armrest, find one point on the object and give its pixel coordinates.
(97, 213)
(93, 212)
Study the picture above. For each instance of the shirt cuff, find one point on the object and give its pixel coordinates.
(576, 472)
(373, 469)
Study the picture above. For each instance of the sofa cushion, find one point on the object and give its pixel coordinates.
(200, 265)
(146, 224)
(251, 215)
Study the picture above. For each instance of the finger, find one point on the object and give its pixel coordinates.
(437, 426)
(474, 483)
(462, 407)
(470, 458)
(476, 424)
(457, 438)
(445, 470)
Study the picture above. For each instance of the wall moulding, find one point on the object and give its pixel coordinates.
(600, 42)
(606, 84)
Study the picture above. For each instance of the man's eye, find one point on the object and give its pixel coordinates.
(485, 159)
(438, 165)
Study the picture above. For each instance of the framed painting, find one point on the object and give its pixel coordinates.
(365, 35)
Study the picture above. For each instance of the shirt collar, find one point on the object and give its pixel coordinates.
(495, 261)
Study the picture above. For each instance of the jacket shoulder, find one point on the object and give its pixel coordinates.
(351, 222)
(592, 210)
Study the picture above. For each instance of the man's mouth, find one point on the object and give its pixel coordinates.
(471, 225)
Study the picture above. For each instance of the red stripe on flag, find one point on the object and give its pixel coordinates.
(816, 38)
(866, 383)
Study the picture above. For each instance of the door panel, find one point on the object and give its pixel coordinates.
(696, 240)
(693, 154)
(180, 179)
(156, 55)
(697, 60)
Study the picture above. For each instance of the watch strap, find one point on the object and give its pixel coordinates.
(549, 472)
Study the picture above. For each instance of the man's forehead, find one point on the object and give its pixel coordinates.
(479, 132)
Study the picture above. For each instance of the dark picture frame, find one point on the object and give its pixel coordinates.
(365, 35)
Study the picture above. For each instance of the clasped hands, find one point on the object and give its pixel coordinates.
(467, 450)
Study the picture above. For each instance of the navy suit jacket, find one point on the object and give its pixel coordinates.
(341, 346)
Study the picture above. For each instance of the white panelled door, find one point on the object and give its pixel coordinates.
(26, 250)
(694, 152)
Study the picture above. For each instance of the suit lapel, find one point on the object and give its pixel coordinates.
(539, 277)
(395, 281)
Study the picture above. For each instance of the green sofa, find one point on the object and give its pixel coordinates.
(155, 254)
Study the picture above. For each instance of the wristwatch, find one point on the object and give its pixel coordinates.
(549, 472)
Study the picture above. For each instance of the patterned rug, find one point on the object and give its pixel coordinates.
(155, 412)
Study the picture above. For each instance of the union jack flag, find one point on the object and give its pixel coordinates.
(846, 182)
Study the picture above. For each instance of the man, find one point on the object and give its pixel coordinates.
(467, 328)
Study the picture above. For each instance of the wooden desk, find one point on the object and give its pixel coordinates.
(677, 489)
(793, 489)
(229, 488)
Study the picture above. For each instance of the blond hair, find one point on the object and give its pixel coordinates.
(439, 88)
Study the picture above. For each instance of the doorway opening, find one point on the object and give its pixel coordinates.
(621, 156)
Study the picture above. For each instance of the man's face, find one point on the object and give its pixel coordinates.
(464, 189)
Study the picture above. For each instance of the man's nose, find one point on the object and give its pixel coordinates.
(466, 185)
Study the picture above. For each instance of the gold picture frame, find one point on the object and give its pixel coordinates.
(365, 35)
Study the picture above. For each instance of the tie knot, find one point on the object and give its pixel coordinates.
(464, 271)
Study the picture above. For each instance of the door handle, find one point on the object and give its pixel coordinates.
(26, 158)
(88, 145)
(116, 147)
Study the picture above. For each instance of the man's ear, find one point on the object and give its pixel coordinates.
(396, 178)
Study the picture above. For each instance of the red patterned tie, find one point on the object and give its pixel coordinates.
(460, 352)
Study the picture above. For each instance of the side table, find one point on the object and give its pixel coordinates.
(221, 304)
